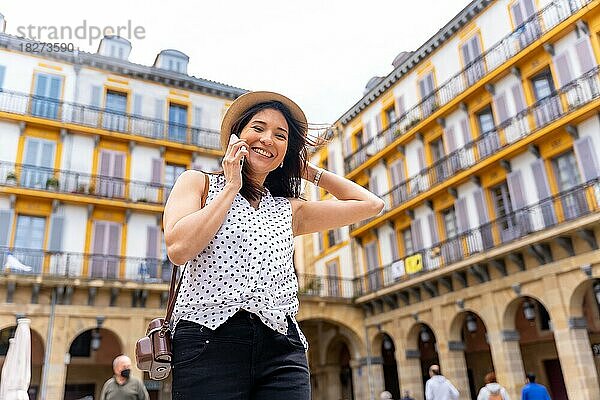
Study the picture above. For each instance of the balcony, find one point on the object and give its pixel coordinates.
(493, 59)
(570, 205)
(561, 103)
(325, 286)
(72, 265)
(69, 182)
(95, 117)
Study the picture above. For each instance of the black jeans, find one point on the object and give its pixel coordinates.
(241, 360)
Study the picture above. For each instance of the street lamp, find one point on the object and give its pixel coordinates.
(528, 310)
(471, 323)
(387, 343)
(96, 337)
(425, 336)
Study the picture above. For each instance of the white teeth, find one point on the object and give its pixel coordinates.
(262, 152)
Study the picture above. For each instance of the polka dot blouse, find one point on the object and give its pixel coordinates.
(247, 265)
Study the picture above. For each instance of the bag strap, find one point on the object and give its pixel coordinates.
(174, 288)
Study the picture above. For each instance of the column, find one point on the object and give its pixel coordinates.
(56, 370)
(454, 366)
(367, 380)
(506, 354)
(576, 359)
(409, 371)
(360, 382)
(332, 386)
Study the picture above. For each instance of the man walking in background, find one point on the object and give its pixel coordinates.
(122, 386)
(438, 387)
(534, 391)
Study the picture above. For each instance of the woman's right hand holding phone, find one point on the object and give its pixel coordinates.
(233, 160)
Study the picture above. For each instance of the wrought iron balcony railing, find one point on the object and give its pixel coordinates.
(73, 265)
(569, 205)
(325, 286)
(61, 181)
(569, 98)
(91, 116)
(501, 52)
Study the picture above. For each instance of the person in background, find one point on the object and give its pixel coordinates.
(534, 391)
(438, 387)
(407, 396)
(385, 395)
(123, 386)
(492, 389)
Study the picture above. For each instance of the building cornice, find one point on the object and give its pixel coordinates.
(127, 68)
(436, 41)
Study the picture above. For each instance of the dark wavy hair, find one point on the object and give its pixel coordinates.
(281, 182)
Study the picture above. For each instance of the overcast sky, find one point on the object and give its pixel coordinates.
(321, 53)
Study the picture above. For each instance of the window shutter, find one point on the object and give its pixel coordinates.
(159, 109)
(478, 195)
(541, 180)
(516, 13)
(501, 108)
(320, 244)
(417, 235)
(157, 166)
(394, 245)
(348, 145)
(464, 126)
(400, 107)
(433, 229)
(379, 124)
(515, 187)
(137, 104)
(119, 165)
(337, 235)
(31, 153)
(450, 139)
(96, 94)
(397, 172)
(152, 242)
(6, 218)
(56, 233)
(114, 239)
(584, 55)
(421, 158)
(99, 233)
(198, 117)
(2, 73)
(586, 158)
(104, 163)
(462, 219)
(563, 67)
(372, 259)
(517, 92)
(373, 187)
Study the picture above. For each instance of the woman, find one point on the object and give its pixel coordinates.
(492, 389)
(235, 334)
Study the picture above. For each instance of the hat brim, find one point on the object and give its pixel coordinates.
(250, 99)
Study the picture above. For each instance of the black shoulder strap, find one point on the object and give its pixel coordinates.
(174, 287)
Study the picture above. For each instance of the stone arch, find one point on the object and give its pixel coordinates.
(355, 343)
(412, 336)
(576, 298)
(456, 324)
(511, 308)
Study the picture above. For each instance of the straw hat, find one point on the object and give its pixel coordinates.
(248, 100)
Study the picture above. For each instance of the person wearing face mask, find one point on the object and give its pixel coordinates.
(123, 386)
(235, 331)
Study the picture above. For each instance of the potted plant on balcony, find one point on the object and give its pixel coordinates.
(52, 183)
(80, 188)
(92, 189)
(11, 178)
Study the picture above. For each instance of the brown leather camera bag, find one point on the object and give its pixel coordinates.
(153, 351)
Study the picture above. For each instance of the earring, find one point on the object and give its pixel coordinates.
(281, 165)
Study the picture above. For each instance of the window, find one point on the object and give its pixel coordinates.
(116, 107)
(46, 96)
(333, 284)
(2, 73)
(111, 173)
(390, 115)
(29, 238)
(172, 172)
(358, 139)
(177, 122)
(437, 153)
(528, 29)
(426, 88)
(489, 140)
(106, 244)
(407, 240)
(567, 175)
(372, 258)
(502, 204)
(450, 226)
(470, 51)
(542, 85)
(394, 245)
(38, 163)
(547, 107)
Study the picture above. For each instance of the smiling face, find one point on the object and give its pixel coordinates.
(267, 136)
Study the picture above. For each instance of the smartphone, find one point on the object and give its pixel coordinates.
(235, 137)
